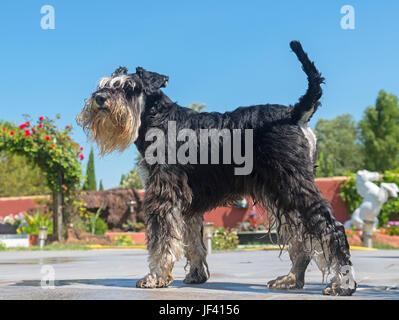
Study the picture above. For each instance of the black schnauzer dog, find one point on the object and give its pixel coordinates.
(129, 108)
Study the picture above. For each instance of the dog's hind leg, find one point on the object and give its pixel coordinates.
(331, 248)
(319, 227)
(300, 256)
(195, 250)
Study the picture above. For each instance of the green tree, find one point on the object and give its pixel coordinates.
(90, 181)
(339, 151)
(19, 177)
(137, 159)
(196, 106)
(132, 179)
(54, 152)
(380, 133)
(101, 187)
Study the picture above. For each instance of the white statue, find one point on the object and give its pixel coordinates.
(373, 198)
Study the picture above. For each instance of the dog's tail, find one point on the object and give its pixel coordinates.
(309, 102)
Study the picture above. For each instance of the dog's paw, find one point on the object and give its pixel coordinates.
(285, 283)
(342, 284)
(335, 289)
(196, 277)
(153, 281)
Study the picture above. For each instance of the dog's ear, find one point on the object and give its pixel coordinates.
(119, 71)
(152, 81)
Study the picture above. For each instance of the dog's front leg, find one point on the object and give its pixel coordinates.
(195, 251)
(165, 199)
(164, 233)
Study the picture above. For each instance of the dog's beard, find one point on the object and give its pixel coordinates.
(114, 129)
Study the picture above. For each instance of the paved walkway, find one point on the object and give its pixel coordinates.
(112, 274)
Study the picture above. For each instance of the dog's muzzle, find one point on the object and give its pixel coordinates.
(99, 102)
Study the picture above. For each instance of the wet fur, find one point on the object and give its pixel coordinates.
(178, 195)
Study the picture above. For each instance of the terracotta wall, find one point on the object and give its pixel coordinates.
(330, 188)
(229, 217)
(18, 204)
(222, 216)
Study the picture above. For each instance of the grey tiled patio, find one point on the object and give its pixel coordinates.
(112, 274)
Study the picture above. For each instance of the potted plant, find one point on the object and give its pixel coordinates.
(31, 223)
(9, 236)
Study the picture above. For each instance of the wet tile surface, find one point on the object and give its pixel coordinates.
(112, 274)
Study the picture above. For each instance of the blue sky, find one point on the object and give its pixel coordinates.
(222, 53)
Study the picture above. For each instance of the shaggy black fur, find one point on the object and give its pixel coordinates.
(282, 178)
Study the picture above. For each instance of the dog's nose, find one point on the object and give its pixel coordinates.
(100, 100)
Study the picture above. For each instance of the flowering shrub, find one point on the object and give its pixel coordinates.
(392, 223)
(392, 228)
(16, 220)
(254, 222)
(349, 233)
(51, 149)
(30, 223)
(224, 240)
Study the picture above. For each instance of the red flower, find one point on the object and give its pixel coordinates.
(69, 138)
(53, 145)
(81, 148)
(33, 130)
(12, 133)
(67, 127)
(47, 138)
(40, 125)
(81, 157)
(27, 123)
(23, 126)
(27, 133)
(41, 118)
(4, 129)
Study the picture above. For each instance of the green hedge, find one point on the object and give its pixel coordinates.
(224, 240)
